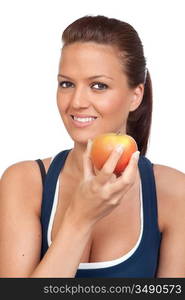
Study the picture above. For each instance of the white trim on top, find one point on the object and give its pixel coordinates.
(102, 264)
(53, 210)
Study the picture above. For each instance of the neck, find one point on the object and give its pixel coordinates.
(74, 161)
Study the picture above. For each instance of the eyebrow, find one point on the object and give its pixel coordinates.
(92, 77)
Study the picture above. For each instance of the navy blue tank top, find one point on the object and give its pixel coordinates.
(142, 260)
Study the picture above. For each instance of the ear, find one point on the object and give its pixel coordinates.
(136, 97)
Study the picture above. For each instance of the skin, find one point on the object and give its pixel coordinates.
(98, 200)
(110, 104)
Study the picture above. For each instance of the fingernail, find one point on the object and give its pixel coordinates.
(136, 155)
(119, 148)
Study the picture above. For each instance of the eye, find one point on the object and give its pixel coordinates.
(65, 84)
(99, 86)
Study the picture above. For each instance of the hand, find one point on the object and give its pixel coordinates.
(98, 194)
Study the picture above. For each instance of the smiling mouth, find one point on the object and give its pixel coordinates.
(84, 119)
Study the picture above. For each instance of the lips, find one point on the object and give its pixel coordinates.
(83, 116)
(83, 120)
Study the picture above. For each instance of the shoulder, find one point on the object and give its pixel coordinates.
(169, 180)
(22, 180)
(170, 188)
(26, 169)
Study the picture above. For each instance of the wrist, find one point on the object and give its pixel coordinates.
(76, 222)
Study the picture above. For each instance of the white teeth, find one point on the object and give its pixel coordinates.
(83, 120)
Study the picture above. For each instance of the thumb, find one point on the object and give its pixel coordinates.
(87, 163)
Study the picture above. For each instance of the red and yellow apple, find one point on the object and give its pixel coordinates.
(103, 145)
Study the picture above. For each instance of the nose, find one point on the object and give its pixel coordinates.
(79, 98)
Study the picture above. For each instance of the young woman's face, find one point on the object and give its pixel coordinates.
(93, 95)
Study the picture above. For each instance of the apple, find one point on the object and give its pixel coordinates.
(103, 145)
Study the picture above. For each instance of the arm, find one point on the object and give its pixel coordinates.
(170, 185)
(20, 230)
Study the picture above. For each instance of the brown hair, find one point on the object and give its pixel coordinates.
(110, 31)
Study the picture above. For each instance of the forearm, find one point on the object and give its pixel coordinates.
(63, 256)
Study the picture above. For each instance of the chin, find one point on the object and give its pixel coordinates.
(81, 138)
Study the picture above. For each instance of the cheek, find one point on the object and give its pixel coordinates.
(61, 102)
(113, 105)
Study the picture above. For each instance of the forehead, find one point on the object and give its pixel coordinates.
(88, 46)
(91, 55)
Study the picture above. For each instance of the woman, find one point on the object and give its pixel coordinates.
(79, 222)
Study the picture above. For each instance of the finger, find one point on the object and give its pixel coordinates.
(128, 176)
(87, 163)
(113, 178)
(109, 166)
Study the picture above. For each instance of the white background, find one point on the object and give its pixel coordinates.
(30, 42)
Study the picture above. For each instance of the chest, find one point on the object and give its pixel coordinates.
(114, 235)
